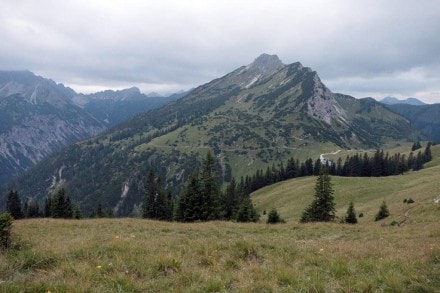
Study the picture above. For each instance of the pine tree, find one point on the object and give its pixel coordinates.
(99, 211)
(230, 200)
(211, 208)
(13, 205)
(383, 212)
(76, 212)
(322, 208)
(273, 217)
(427, 155)
(156, 203)
(190, 201)
(351, 214)
(416, 146)
(246, 212)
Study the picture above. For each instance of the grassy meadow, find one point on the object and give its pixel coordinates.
(135, 255)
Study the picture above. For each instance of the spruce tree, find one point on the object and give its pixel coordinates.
(99, 211)
(211, 208)
(273, 217)
(246, 212)
(190, 201)
(351, 215)
(383, 212)
(322, 209)
(231, 200)
(13, 205)
(156, 204)
(427, 155)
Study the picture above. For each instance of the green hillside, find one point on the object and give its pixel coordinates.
(291, 197)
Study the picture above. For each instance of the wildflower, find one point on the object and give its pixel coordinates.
(321, 250)
(98, 267)
(117, 237)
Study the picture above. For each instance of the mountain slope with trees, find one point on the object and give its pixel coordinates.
(257, 115)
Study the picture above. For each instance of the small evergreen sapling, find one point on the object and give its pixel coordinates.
(383, 212)
(351, 215)
(273, 217)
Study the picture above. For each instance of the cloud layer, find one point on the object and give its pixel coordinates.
(363, 48)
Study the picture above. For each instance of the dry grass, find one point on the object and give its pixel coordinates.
(133, 255)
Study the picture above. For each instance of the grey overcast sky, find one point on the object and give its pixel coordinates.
(362, 48)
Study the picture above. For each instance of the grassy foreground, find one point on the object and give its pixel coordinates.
(134, 255)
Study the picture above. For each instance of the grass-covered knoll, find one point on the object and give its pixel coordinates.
(291, 197)
(134, 255)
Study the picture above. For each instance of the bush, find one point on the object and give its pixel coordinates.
(361, 215)
(5, 230)
(274, 217)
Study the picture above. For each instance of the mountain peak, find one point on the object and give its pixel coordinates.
(266, 63)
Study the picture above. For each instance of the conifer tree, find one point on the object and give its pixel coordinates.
(322, 209)
(427, 155)
(231, 200)
(383, 212)
(273, 217)
(99, 211)
(190, 201)
(13, 205)
(76, 212)
(351, 214)
(156, 203)
(211, 207)
(246, 212)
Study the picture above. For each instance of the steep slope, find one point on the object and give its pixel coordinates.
(37, 117)
(425, 118)
(257, 115)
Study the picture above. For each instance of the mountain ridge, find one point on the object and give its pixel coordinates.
(259, 114)
(39, 116)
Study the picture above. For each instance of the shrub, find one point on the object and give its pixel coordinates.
(361, 215)
(5, 230)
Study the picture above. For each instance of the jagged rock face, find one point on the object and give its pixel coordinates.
(323, 105)
(37, 118)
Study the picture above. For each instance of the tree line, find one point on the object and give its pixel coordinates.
(201, 199)
(378, 165)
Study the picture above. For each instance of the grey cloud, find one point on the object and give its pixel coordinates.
(167, 44)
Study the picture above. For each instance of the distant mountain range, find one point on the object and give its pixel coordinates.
(257, 115)
(425, 118)
(38, 117)
(408, 101)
